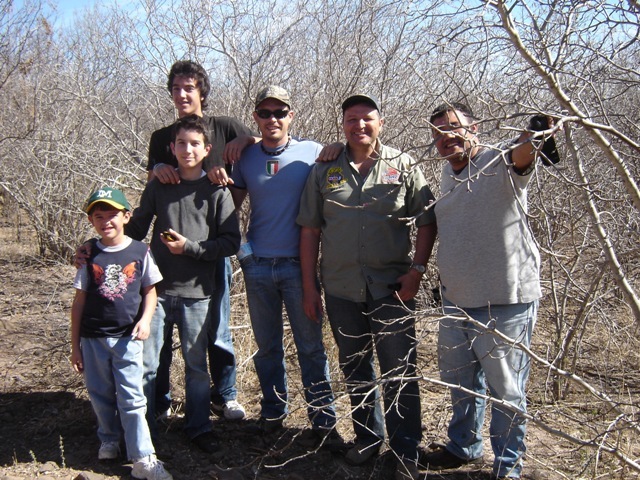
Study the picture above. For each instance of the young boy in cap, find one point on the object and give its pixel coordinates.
(110, 317)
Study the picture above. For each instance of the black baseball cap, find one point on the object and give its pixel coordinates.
(361, 98)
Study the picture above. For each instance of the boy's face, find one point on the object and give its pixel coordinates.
(186, 96)
(109, 223)
(190, 149)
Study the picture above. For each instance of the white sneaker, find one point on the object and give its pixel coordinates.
(149, 468)
(109, 451)
(165, 415)
(231, 410)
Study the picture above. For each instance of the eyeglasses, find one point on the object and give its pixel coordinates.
(266, 114)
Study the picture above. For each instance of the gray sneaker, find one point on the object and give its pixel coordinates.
(231, 410)
(150, 468)
(109, 451)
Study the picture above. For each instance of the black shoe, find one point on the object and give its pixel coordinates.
(266, 426)
(407, 470)
(326, 438)
(206, 442)
(439, 458)
(361, 453)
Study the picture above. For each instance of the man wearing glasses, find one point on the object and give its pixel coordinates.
(489, 269)
(273, 172)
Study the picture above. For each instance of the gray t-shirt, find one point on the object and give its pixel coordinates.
(487, 253)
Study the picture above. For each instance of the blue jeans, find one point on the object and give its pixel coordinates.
(113, 376)
(270, 282)
(387, 325)
(475, 359)
(192, 318)
(222, 357)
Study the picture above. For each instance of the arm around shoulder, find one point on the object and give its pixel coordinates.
(143, 215)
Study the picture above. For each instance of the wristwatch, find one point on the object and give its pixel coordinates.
(421, 268)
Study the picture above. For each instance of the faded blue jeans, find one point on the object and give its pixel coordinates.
(270, 283)
(475, 359)
(191, 315)
(113, 377)
(222, 357)
(385, 324)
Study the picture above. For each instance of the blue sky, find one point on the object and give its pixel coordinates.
(65, 8)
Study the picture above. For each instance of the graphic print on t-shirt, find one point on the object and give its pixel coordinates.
(272, 167)
(113, 280)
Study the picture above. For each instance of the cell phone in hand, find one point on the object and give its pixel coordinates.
(167, 236)
(549, 151)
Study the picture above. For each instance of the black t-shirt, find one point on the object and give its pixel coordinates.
(221, 131)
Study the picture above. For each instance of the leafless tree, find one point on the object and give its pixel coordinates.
(81, 100)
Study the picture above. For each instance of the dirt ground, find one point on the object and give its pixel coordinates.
(47, 427)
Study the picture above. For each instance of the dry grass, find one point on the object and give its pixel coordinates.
(46, 421)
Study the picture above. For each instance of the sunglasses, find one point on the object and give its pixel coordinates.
(266, 114)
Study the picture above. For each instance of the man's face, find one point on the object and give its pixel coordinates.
(190, 149)
(362, 125)
(274, 130)
(186, 96)
(455, 137)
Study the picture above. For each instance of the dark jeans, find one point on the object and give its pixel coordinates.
(222, 358)
(387, 325)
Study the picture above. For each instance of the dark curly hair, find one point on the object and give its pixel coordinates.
(191, 123)
(187, 68)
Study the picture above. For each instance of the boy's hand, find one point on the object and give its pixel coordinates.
(141, 331)
(76, 360)
(218, 175)
(166, 173)
(83, 252)
(175, 246)
(330, 152)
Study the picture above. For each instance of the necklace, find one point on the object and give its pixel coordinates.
(278, 151)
